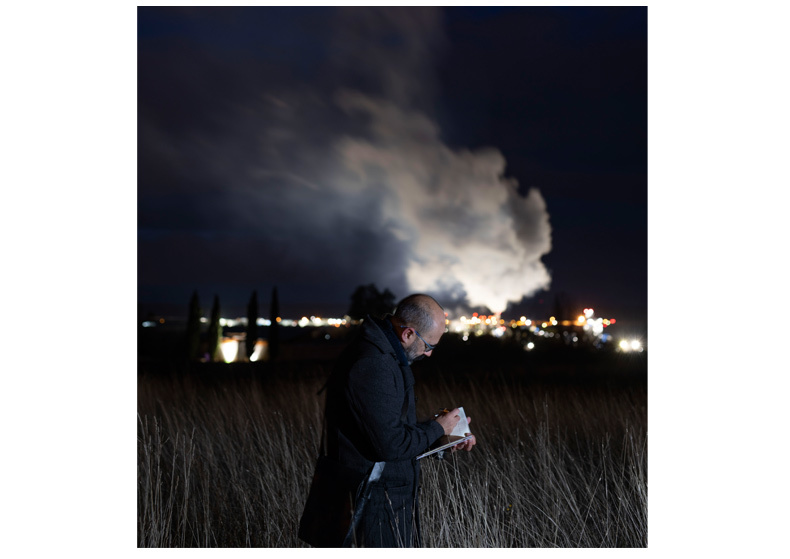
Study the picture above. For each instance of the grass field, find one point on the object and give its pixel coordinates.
(226, 452)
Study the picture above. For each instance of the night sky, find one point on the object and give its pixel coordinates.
(493, 157)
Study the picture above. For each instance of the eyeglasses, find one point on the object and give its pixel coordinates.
(428, 347)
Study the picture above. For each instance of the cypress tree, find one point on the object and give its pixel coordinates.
(274, 328)
(252, 324)
(193, 328)
(214, 332)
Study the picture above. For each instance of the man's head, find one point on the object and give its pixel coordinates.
(419, 323)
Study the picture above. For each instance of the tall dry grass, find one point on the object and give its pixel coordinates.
(555, 466)
(225, 461)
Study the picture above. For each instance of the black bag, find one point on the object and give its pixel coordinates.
(329, 510)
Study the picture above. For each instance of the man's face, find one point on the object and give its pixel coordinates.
(419, 349)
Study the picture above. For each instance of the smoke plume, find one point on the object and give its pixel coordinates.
(468, 233)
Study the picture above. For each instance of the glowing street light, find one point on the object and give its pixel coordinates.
(230, 349)
(257, 353)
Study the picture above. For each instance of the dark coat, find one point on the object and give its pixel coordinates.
(372, 417)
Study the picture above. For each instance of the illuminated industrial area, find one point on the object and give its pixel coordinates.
(587, 328)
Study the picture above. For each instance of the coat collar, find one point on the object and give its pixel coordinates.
(389, 333)
(381, 334)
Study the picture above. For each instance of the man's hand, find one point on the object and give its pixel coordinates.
(466, 445)
(448, 420)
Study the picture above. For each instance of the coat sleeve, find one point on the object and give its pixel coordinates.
(375, 399)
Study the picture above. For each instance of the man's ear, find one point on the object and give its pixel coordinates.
(406, 336)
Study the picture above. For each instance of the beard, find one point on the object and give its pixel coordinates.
(413, 354)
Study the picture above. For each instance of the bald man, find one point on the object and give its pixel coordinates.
(371, 418)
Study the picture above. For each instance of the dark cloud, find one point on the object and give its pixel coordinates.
(296, 147)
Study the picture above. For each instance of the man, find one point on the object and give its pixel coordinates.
(371, 417)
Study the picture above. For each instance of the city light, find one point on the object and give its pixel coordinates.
(230, 349)
(257, 353)
(630, 345)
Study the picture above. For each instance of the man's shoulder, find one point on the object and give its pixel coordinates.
(372, 346)
(373, 338)
(370, 343)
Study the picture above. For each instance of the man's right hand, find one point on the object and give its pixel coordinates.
(448, 420)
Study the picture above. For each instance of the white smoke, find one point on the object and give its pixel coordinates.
(468, 231)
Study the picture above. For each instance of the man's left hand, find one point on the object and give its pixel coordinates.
(466, 445)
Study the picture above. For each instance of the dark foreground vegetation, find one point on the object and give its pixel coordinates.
(225, 452)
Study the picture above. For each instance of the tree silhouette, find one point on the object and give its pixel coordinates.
(274, 328)
(252, 324)
(563, 305)
(193, 328)
(214, 332)
(367, 300)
